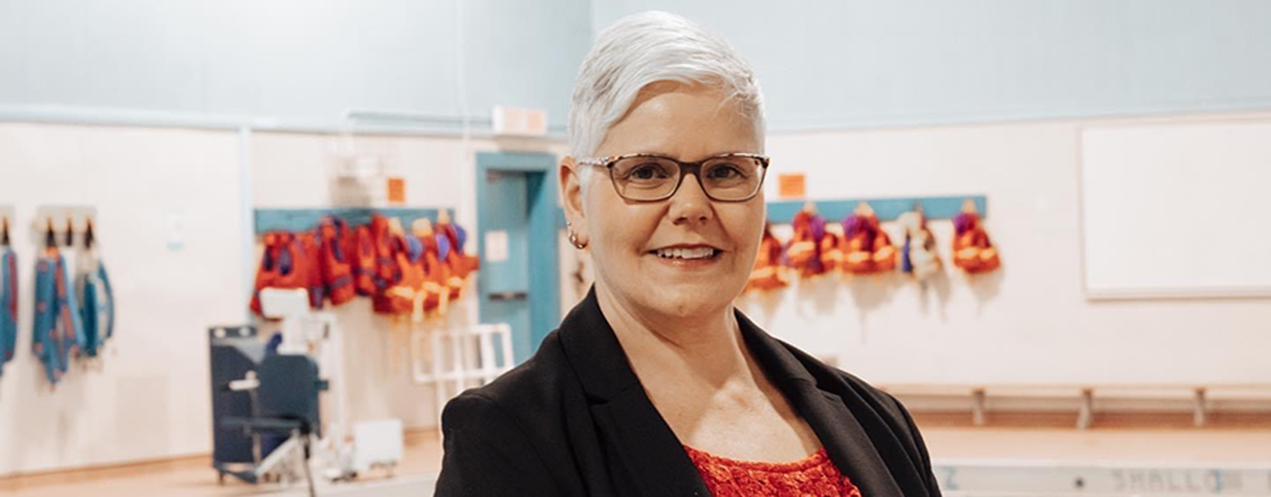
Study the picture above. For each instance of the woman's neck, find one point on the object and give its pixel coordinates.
(707, 347)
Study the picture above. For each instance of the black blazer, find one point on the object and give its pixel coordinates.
(573, 420)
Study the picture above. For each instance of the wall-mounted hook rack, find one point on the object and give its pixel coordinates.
(297, 220)
(7, 223)
(887, 209)
(68, 220)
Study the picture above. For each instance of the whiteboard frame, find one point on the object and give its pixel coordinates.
(1154, 293)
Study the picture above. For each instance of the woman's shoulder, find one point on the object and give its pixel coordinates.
(503, 438)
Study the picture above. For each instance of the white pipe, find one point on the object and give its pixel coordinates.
(246, 216)
(365, 121)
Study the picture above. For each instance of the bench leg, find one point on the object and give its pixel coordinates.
(1198, 417)
(1085, 417)
(978, 417)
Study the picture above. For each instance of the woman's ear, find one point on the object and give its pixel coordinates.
(572, 195)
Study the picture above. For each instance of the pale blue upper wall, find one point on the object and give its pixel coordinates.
(823, 63)
(836, 63)
(294, 60)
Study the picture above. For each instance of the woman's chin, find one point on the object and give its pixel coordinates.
(687, 299)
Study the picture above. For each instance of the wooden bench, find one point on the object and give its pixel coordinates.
(1202, 398)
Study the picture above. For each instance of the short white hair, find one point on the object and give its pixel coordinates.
(646, 48)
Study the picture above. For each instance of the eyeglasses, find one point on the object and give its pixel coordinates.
(735, 177)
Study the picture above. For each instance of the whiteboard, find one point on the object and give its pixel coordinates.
(1175, 210)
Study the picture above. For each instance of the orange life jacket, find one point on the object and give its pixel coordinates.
(400, 297)
(804, 252)
(283, 265)
(768, 274)
(312, 245)
(383, 263)
(831, 251)
(458, 264)
(866, 247)
(972, 250)
(436, 275)
(337, 260)
(364, 262)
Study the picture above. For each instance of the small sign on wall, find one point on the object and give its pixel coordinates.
(791, 185)
(519, 122)
(496, 246)
(396, 191)
(176, 231)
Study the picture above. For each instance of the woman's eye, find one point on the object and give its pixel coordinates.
(725, 172)
(647, 171)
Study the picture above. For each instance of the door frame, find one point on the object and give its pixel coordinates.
(542, 240)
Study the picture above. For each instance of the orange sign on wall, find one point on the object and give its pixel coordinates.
(397, 191)
(791, 185)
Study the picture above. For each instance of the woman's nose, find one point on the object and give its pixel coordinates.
(690, 204)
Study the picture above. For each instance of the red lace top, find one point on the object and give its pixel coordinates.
(815, 475)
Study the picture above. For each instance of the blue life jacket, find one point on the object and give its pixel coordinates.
(8, 306)
(97, 304)
(443, 246)
(57, 333)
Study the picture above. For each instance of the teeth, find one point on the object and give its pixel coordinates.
(683, 253)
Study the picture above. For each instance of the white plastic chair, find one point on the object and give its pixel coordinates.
(472, 357)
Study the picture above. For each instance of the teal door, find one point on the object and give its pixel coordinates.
(517, 222)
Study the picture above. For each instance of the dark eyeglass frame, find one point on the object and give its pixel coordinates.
(685, 168)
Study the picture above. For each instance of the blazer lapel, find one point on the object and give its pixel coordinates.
(848, 444)
(643, 454)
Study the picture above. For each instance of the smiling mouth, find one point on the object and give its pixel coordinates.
(687, 253)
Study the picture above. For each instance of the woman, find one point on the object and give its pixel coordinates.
(654, 384)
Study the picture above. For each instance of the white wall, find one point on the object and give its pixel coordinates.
(1029, 322)
(149, 397)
